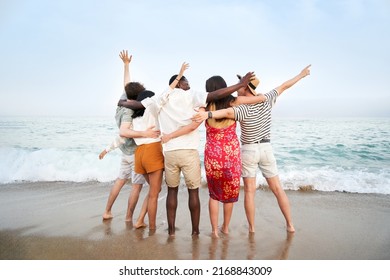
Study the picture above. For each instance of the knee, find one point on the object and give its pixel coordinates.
(250, 190)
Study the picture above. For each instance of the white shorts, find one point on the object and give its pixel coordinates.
(127, 170)
(260, 156)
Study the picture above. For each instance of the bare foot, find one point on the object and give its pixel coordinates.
(290, 228)
(215, 234)
(129, 225)
(224, 230)
(139, 224)
(171, 231)
(107, 216)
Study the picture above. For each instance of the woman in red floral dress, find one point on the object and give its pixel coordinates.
(222, 159)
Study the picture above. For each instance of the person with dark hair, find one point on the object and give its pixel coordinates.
(127, 146)
(149, 159)
(222, 160)
(181, 141)
(256, 149)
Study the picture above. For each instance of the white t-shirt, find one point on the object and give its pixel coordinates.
(147, 120)
(176, 110)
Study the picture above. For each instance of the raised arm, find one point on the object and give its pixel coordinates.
(124, 55)
(249, 99)
(223, 92)
(183, 68)
(293, 81)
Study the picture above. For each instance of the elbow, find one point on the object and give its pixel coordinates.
(122, 133)
(230, 113)
(194, 126)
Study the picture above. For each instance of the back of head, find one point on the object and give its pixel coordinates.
(217, 82)
(132, 90)
(174, 77)
(144, 94)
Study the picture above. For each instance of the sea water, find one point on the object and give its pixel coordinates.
(351, 155)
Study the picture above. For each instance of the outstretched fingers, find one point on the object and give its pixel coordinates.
(124, 55)
(184, 67)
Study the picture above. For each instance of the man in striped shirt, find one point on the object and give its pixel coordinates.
(256, 149)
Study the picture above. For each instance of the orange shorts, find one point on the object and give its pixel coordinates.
(148, 158)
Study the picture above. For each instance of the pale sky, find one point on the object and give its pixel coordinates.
(60, 58)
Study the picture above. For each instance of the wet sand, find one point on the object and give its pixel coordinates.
(62, 221)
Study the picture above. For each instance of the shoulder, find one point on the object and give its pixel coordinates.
(272, 94)
(247, 106)
(121, 111)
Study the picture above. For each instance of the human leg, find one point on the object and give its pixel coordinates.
(172, 179)
(140, 223)
(155, 180)
(133, 200)
(138, 181)
(249, 201)
(194, 206)
(284, 204)
(214, 212)
(227, 215)
(125, 171)
(190, 166)
(116, 188)
(171, 205)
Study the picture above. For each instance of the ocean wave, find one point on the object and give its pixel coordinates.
(56, 165)
(49, 165)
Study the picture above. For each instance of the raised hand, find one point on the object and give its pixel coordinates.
(183, 68)
(124, 55)
(247, 78)
(306, 71)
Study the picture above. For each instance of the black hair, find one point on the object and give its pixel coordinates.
(217, 82)
(174, 77)
(142, 96)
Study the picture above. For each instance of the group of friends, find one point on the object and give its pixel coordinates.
(159, 138)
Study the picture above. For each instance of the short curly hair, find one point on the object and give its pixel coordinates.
(132, 90)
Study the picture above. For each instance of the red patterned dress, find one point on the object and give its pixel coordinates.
(222, 162)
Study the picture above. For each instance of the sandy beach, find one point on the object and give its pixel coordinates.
(62, 221)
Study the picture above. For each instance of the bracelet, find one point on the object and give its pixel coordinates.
(210, 115)
(177, 79)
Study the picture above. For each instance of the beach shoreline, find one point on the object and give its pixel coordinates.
(62, 221)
